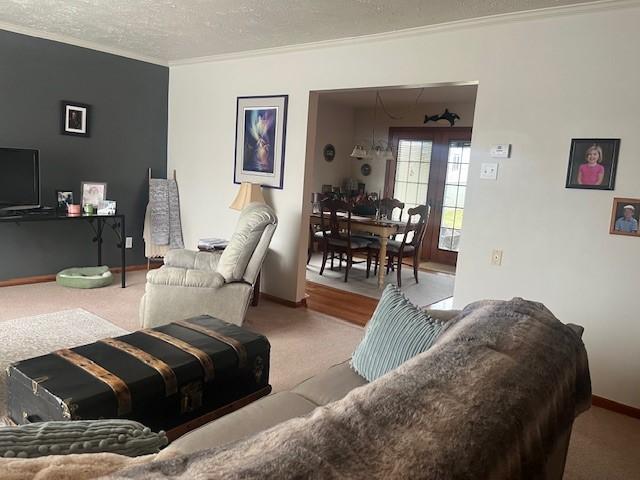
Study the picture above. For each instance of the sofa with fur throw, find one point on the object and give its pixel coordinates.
(495, 397)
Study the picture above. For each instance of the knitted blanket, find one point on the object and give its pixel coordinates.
(164, 202)
(488, 400)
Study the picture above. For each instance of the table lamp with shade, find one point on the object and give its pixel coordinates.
(248, 193)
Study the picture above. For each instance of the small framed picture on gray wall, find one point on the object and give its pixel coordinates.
(75, 119)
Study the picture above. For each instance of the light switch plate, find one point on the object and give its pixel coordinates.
(500, 150)
(128, 242)
(489, 171)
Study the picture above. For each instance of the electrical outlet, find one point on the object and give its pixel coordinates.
(496, 258)
(489, 171)
(128, 243)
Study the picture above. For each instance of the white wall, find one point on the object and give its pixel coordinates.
(542, 80)
(415, 118)
(335, 126)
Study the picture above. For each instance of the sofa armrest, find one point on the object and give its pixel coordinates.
(443, 315)
(185, 277)
(181, 258)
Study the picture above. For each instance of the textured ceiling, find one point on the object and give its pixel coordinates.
(169, 30)
(398, 97)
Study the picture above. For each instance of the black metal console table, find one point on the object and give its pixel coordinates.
(97, 223)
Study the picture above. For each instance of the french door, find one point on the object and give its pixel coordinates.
(431, 166)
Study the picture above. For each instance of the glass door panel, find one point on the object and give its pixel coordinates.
(412, 174)
(454, 194)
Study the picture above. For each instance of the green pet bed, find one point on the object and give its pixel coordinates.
(85, 277)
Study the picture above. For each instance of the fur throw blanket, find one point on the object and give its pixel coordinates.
(67, 467)
(488, 400)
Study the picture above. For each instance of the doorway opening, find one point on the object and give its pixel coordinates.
(372, 144)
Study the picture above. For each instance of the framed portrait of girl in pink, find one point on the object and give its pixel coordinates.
(592, 163)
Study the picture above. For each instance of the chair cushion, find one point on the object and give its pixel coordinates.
(182, 258)
(255, 417)
(355, 242)
(372, 239)
(330, 385)
(394, 246)
(397, 331)
(183, 277)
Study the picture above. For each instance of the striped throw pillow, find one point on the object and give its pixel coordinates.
(397, 331)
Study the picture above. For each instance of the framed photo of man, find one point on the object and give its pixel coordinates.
(625, 216)
(593, 163)
(75, 119)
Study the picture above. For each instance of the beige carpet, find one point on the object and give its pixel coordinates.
(303, 342)
(29, 337)
(604, 445)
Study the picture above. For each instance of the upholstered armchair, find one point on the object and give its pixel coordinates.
(219, 284)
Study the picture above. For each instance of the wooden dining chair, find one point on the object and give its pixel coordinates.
(337, 237)
(388, 205)
(409, 246)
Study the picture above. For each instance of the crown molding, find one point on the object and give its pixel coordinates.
(565, 10)
(32, 32)
(600, 5)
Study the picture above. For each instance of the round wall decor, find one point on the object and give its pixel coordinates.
(365, 169)
(329, 152)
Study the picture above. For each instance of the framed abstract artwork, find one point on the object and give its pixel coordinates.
(593, 163)
(261, 124)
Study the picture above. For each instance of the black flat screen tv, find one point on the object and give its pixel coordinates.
(19, 179)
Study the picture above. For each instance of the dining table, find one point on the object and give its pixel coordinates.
(384, 229)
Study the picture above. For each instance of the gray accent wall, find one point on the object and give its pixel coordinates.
(129, 101)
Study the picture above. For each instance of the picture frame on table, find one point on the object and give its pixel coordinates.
(593, 163)
(64, 198)
(625, 217)
(92, 193)
(261, 126)
(75, 118)
(107, 207)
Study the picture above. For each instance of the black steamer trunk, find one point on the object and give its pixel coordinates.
(161, 377)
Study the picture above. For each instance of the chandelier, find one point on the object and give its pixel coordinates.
(379, 149)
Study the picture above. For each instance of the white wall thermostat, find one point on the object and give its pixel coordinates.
(489, 171)
(501, 150)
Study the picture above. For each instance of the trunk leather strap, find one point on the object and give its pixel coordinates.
(210, 332)
(168, 375)
(203, 358)
(119, 387)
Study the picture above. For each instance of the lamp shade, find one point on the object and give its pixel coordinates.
(359, 152)
(248, 193)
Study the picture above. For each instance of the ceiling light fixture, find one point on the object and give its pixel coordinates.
(380, 149)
